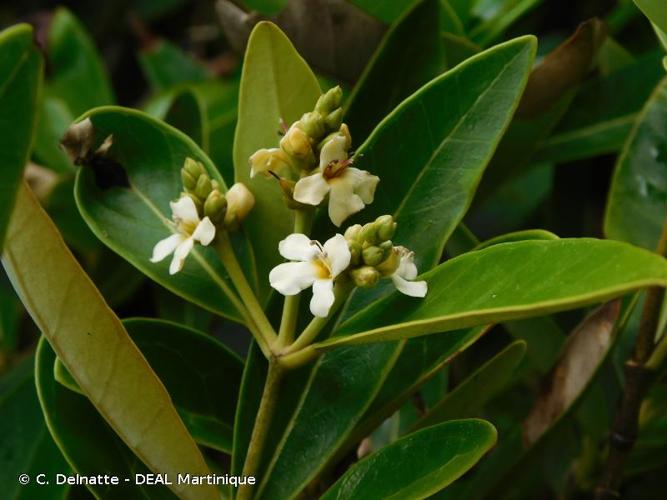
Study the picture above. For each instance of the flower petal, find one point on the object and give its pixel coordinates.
(411, 288)
(364, 183)
(342, 200)
(292, 277)
(180, 254)
(335, 149)
(311, 190)
(298, 247)
(406, 267)
(184, 210)
(205, 232)
(323, 298)
(338, 254)
(166, 247)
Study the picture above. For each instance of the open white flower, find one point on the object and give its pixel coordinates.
(349, 188)
(189, 229)
(406, 272)
(313, 265)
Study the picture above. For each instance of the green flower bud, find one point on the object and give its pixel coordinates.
(355, 252)
(334, 119)
(189, 181)
(365, 276)
(352, 233)
(194, 168)
(329, 101)
(215, 206)
(313, 125)
(373, 255)
(386, 227)
(203, 187)
(387, 247)
(368, 233)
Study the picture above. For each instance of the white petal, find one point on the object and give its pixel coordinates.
(335, 149)
(338, 254)
(166, 247)
(312, 189)
(406, 267)
(364, 183)
(323, 298)
(411, 288)
(298, 247)
(342, 201)
(184, 210)
(205, 232)
(292, 277)
(180, 254)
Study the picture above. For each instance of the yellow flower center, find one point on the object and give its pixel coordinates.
(323, 269)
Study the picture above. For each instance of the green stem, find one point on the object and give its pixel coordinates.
(341, 291)
(267, 407)
(228, 258)
(303, 220)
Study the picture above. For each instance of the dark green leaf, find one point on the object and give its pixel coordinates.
(638, 196)
(95, 347)
(20, 67)
(202, 377)
(408, 56)
(54, 118)
(508, 281)
(276, 83)
(417, 465)
(187, 114)
(77, 74)
(470, 396)
(26, 447)
(386, 11)
(655, 11)
(497, 16)
(166, 65)
(527, 234)
(131, 220)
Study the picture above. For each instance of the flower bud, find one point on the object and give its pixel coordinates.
(215, 207)
(355, 252)
(390, 264)
(386, 227)
(264, 161)
(334, 119)
(330, 100)
(373, 255)
(240, 202)
(296, 143)
(352, 233)
(203, 187)
(365, 276)
(368, 233)
(194, 168)
(313, 125)
(387, 247)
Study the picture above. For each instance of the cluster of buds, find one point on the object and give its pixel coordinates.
(302, 142)
(224, 210)
(374, 256)
(372, 251)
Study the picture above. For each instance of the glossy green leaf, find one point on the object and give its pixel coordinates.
(498, 17)
(597, 121)
(276, 83)
(526, 234)
(508, 281)
(470, 396)
(202, 377)
(655, 10)
(131, 220)
(54, 118)
(26, 447)
(431, 178)
(85, 439)
(187, 114)
(408, 56)
(95, 347)
(637, 203)
(20, 67)
(77, 73)
(417, 465)
(166, 65)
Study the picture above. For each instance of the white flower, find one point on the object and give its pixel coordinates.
(406, 272)
(265, 161)
(189, 229)
(349, 188)
(314, 265)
